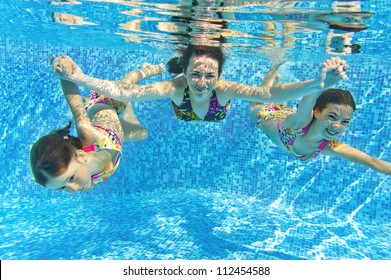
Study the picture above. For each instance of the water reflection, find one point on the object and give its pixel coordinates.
(69, 19)
(241, 24)
(62, 2)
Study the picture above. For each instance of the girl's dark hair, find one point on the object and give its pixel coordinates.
(51, 154)
(335, 96)
(179, 64)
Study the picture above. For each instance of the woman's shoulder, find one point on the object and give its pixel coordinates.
(178, 85)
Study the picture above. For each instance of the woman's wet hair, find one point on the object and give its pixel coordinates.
(51, 154)
(178, 65)
(335, 96)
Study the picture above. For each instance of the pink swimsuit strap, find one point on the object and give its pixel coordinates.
(91, 148)
(288, 140)
(109, 141)
(323, 145)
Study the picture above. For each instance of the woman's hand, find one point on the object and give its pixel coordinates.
(333, 71)
(64, 67)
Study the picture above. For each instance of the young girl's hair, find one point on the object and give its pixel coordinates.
(335, 96)
(178, 65)
(51, 154)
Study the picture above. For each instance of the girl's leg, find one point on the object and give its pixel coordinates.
(271, 79)
(133, 130)
(131, 126)
(147, 70)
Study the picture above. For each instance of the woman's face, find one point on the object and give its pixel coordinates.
(333, 120)
(76, 178)
(202, 75)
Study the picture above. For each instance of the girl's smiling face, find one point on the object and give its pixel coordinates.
(333, 120)
(202, 75)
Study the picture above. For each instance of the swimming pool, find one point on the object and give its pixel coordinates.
(193, 192)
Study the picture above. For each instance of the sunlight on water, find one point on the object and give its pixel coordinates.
(274, 28)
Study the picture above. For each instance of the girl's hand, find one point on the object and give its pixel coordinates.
(333, 71)
(64, 67)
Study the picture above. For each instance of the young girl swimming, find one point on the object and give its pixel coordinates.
(313, 129)
(60, 161)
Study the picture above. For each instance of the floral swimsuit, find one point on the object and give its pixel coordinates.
(287, 135)
(215, 113)
(109, 140)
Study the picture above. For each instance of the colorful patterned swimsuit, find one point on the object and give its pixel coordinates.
(287, 135)
(215, 113)
(110, 140)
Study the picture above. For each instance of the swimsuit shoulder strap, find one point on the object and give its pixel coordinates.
(323, 145)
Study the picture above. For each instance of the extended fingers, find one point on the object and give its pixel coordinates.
(336, 65)
(341, 64)
(337, 62)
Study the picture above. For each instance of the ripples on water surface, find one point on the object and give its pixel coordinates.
(251, 26)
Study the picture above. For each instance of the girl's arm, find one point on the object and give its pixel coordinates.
(304, 113)
(84, 126)
(333, 71)
(67, 69)
(347, 152)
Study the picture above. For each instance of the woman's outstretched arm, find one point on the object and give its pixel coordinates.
(67, 69)
(333, 71)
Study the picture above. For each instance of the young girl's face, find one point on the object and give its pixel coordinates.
(76, 178)
(333, 120)
(202, 75)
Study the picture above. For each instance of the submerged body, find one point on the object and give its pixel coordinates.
(313, 128)
(269, 119)
(199, 85)
(75, 164)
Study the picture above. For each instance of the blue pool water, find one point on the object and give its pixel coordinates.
(208, 191)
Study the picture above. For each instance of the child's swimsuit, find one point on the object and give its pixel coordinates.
(215, 113)
(96, 97)
(110, 140)
(287, 135)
